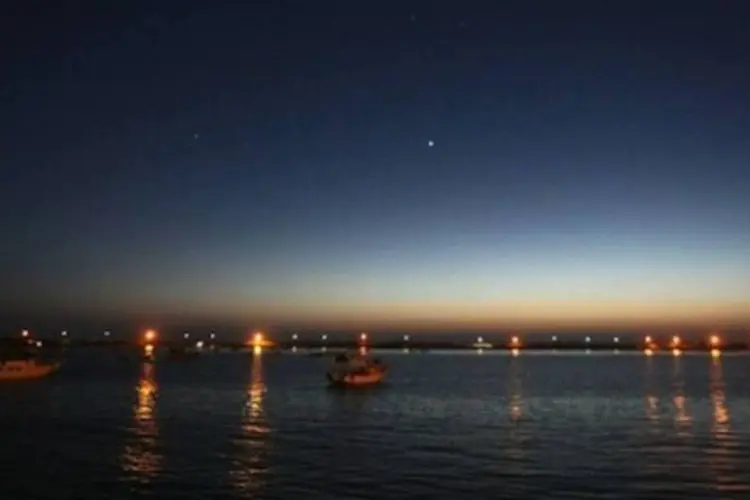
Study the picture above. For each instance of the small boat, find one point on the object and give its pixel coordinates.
(21, 369)
(356, 370)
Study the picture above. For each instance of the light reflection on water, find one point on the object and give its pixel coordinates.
(682, 417)
(141, 459)
(459, 427)
(724, 454)
(515, 445)
(653, 412)
(249, 467)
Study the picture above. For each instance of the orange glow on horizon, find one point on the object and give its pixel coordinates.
(517, 314)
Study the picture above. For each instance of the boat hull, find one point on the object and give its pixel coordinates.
(21, 370)
(356, 379)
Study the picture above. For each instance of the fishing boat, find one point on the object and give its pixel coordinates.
(356, 370)
(19, 360)
(20, 369)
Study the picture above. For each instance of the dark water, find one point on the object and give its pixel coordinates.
(446, 426)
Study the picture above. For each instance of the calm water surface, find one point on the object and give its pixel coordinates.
(447, 426)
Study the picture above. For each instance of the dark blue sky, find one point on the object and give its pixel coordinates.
(363, 162)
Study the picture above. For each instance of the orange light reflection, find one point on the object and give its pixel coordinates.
(141, 460)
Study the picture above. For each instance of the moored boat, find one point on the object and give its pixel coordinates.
(22, 359)
(356, 370)
(20, 369)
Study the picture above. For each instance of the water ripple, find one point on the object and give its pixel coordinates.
(445, 427)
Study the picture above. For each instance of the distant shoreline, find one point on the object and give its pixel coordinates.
(411, 346)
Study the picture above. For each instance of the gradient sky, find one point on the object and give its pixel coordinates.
(377, 163)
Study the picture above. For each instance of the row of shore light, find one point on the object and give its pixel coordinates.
(258, 338)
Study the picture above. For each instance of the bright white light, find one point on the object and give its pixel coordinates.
(406, 338)
(107, 333)
(588, 339)
(213, 335)
(554, 338)
(617, 340)
(64, 333)
(480, 339)
(187, 335)
(199, 344)
(295, 336)
(430, 144)
(324, 337)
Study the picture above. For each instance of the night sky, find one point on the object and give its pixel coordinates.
(441, 164)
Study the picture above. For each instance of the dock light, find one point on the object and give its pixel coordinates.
(648, 339)
(186, 335)
(213, 335)
(554, 338)
(107, 333)
(714, 340)
(676, 341)
(363, 337)
(39, 343)
(258, 338)
(150, 335)
(514, 352)
(715, 353)
(25, 333)
(480, 340)
(676, 352)
(515, 340)
(588, 340)
(148, 349)
(324, 337)
(199, 344)
(648, 352)
(617, 340)
(64, 333)
(295, 336)
(406, 338)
